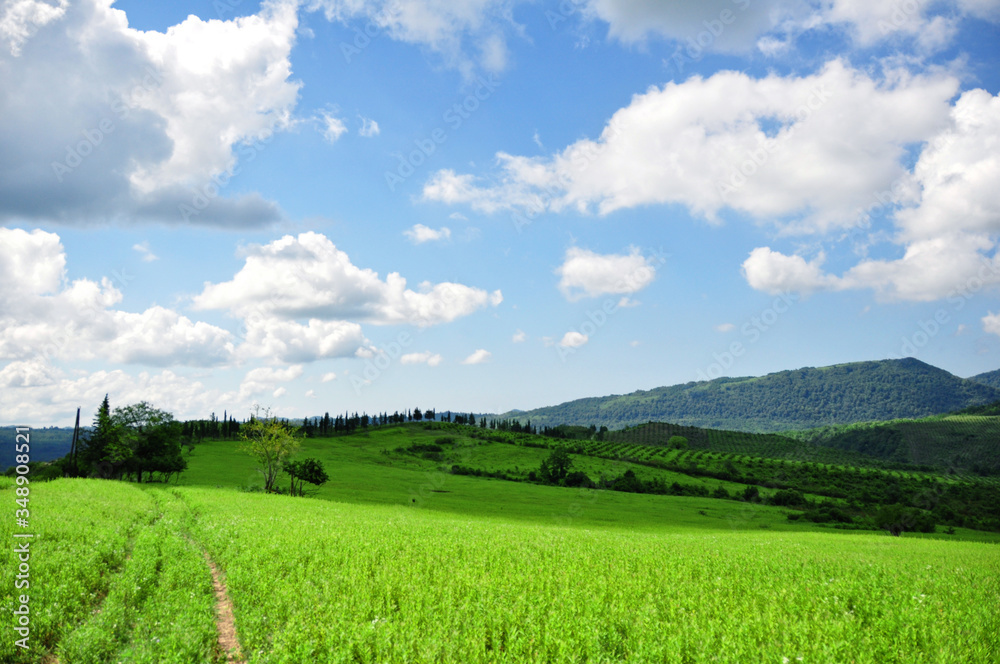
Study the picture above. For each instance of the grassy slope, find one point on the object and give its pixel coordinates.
(320, 581)
(363, 472)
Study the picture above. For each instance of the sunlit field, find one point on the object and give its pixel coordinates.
(119, 574)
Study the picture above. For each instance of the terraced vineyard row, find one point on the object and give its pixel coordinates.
(736, 442)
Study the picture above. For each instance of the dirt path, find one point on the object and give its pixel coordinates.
(228, 643)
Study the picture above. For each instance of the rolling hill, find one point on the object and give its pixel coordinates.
(991, 378)
(787, 400)
(47, 443)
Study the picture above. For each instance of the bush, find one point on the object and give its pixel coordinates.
(576, 478)
(424, 447)
(677, 443)
(788, 498)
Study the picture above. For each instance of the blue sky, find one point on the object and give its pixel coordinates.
(482, 205)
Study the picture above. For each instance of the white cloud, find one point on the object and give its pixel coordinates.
(20, 19)
(369, 128)
(519, 337)
(145, 252)
(808, 151)
(266, 379)
(289, 341)
(946, 225)
(930, 27)
(280, 392)
(991, 323)
(710, 25)
(704, 26)
(310, 394)
(31, 373)
(573, 339)
(331, 126)
(420, 234)
(455, 30)
(957, 173)
(426, 357)
(308, 277)
(329, 376)
(46, 394)
(588, 274)
(42, 314)
(478, 357)
(774, 272)
(143, 120)
(725, 327)
(930, 269)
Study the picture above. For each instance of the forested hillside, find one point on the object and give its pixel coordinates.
(47, 444)
(961, 443)
(991, 378)
(788, 400)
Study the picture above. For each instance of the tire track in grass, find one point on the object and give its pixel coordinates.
(229, 644)
(225, 621)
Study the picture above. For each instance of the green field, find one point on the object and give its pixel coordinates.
(397, 560)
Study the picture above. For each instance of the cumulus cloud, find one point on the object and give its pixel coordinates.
(308, 277)
(467, 34)
(30, 373)
(774, 272)
(588, 274)
(420, 234)
(702, 26)
(991, 323)
(331, 126)
(426, 357)
(21, 18)
(102, 121)
(807, 151)
(725, 327)
(478, 357)
(729, 25)
(47, 394)
(957, 174)
(519, 337)
(266, 379)
(871, 22)
(573, 339)
(946, 213)
(42, 314)
(290, 341)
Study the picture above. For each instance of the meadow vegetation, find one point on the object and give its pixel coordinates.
(430, 541)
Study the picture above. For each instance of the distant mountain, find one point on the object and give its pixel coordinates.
(44, 444)
(800, 399)
(991, 378)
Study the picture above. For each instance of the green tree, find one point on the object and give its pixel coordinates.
(677, 443)
(307, 470)
(897, 519)
(99, 444)
(555, 468)
(149, 440)
(268, 440)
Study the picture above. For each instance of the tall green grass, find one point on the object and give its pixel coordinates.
(342, 583)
